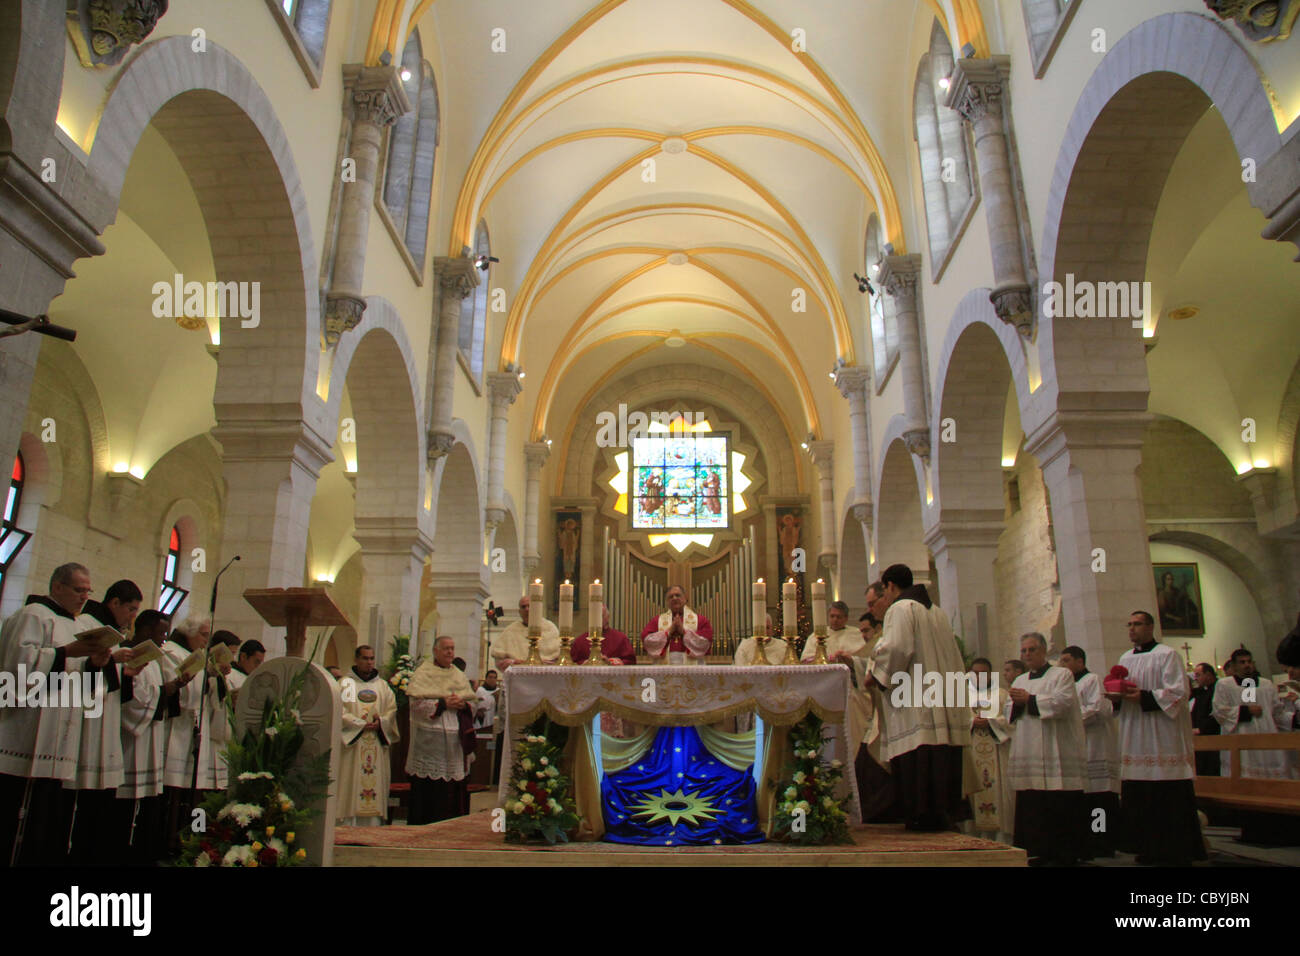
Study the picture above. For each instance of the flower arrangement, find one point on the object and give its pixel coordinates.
(542, 804)
(400, 667)
(807, 809)
(256, 822)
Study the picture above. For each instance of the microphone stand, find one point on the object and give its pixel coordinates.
(203, 692)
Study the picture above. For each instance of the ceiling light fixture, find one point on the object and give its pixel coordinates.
(406, 75)
(483, 262)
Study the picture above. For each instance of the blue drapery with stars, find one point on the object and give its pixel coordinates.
(679, 794)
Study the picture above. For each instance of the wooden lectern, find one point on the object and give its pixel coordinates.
(295, 609)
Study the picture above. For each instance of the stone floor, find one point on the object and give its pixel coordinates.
(1226, 850)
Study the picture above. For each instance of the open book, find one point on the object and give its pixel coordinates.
(144, 652)
(102, 638)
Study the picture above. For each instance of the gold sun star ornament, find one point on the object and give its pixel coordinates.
(673, 807)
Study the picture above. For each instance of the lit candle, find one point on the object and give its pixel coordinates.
(789, 606)
(535, 605)
(595, 606)
(758, 595)
(819, 603)
(566, 608)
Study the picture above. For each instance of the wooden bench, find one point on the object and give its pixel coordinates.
(1232, 790)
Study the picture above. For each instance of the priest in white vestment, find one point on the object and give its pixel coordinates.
(923, 743)
(100, 759)
(993, 806)
(511, 645)
(747, 650)
(1048, 759)
(680, 635)
(442, 737)
(1246, 703)
(39, 742)
(845, 645)
(1102, 737)
(1157, 797)
(369, 730)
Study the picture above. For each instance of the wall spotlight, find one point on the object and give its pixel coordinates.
(406, 75)
(864, 285)
(944, 83)
(482, 262)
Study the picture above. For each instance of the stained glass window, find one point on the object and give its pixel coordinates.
(681, 481)
(172, 593)
(12, 538)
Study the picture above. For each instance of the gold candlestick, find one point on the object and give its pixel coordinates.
(534, 656)
(820, 656)
(789, 634)
(594, 656)
(761, 640)
(566, 638)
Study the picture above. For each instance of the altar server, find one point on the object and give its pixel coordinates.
(1101, 736)
(138, 810)
(1246, 703)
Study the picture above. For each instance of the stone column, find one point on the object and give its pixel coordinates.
(586, 556)
(822, 453)
(1090, 462)
(270, 469)
(964, 553)
(853, 381)
(772, 551)
(376, 98)
(977, 94)
(535, 454)
(460, 613)
(503, 389)
(457, 278)
(898, 277)
(392, 563)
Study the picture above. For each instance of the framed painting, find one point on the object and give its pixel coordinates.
(1178, 598)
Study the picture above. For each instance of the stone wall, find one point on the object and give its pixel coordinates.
(1029, 598)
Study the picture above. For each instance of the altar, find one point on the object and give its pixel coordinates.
(699, 697)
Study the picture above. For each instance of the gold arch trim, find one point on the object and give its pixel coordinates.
(616, 369)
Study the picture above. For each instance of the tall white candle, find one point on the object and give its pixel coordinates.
(595, 607)
(819, 603)
(758, 597)
(535, 605)
(566, 608)
(790, 607)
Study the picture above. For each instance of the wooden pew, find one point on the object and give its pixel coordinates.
(1232, 790)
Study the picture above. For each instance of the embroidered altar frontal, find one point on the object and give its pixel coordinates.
(682, 780)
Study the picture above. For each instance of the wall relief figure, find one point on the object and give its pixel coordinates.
(103, 30)
(1259, 20)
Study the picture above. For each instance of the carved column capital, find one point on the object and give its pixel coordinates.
(853, 380)
(862, 513)
(342, 314)
(103, 30)
(377, 95)
(917, 441)
(976, 89)
(899, 275)
(535, 454)
(440, 442)
(503, 388)
(456, 275)
(822, 453)
(1014, 303)
(1259, 20)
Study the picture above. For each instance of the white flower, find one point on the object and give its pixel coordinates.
(802, 805)
(543, 761)
(836, 764)
(202, 860)
(297, 717)
(526, 764)
(237, 856)
(800, 777)
(521, 784)
(552, 772)
(828, 802)
(256, 775)
(541, 775)
(278, 845)
(526, 798)
(270, 731)
(791, 793)
(242, 813)
(811, 754)
(787, 807)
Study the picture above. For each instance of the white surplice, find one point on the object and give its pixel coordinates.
(180, 730)
(39, 741)
(1156, 744)
(993, 806)
(144, 736)
(512, 643)
(99, 755)
(365, 770)
(747, 651)
(1048, 751)
(916, 635)
(1101, 733)
(1228, 700)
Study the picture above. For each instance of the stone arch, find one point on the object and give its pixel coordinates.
(507, 585)
(1288, 435)
(377, 363)
(1246, 554)
(61, 367)
(900, 534)
(1147, 94)
(458, 577)
(724, 390)
(213, 114)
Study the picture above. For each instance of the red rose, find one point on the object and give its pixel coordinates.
(267, 857)
(1118, 672)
